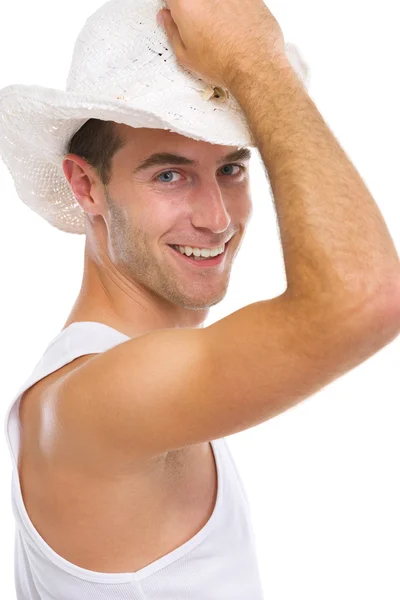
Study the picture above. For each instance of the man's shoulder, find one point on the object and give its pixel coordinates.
(31, 403)
(35, 393)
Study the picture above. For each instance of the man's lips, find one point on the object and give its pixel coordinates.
(208, 262)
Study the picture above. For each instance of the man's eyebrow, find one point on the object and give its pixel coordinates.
(164, 158)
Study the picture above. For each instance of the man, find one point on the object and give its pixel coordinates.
(125, 488)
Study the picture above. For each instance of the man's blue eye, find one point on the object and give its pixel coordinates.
(227, 166)
(166, 173)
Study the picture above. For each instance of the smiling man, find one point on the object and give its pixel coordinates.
(124, 486)
(168, 203)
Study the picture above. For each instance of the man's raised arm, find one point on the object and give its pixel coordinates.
(335, 241)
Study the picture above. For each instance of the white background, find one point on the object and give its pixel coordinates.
(323, 477)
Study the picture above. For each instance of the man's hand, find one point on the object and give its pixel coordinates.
(212, 38)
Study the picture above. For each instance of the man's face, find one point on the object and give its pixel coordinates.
(151, 208)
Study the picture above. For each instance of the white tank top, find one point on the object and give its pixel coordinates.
(218, 563)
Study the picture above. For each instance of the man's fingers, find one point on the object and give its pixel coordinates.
(164, 18)
(160, 17)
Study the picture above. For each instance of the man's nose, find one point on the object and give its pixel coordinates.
(208, 208)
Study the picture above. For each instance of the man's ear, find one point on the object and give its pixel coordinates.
(83, 180)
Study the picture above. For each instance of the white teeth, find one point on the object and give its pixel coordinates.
(205, 252)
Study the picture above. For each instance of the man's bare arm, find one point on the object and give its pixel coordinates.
(335, 240)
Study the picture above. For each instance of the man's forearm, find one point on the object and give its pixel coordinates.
(334, 238)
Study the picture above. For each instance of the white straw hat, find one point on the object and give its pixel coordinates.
(123, 70)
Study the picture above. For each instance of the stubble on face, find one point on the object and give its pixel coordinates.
(131, 251)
